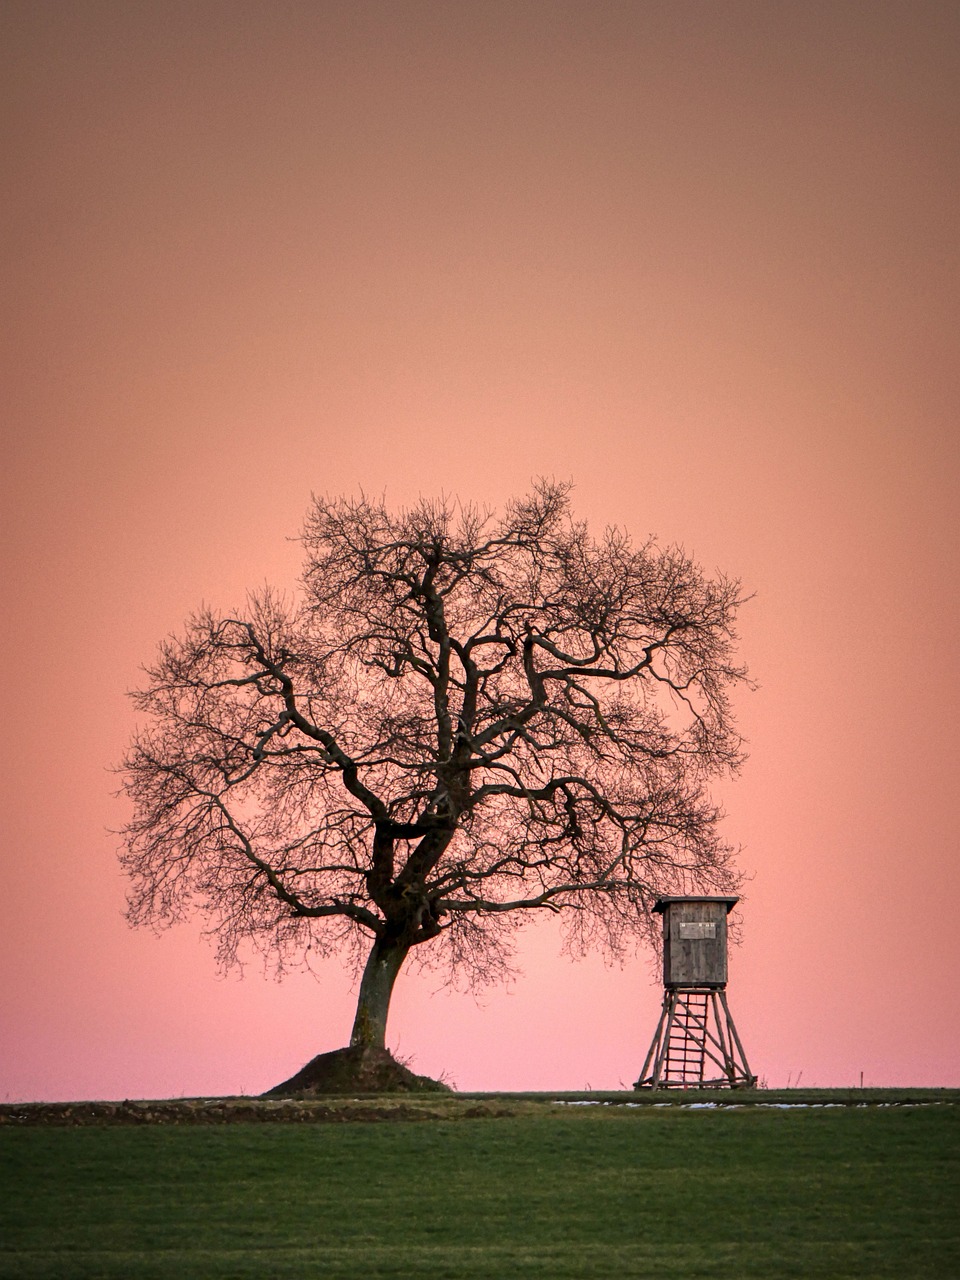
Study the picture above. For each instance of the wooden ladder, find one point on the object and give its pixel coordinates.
(686, 1042)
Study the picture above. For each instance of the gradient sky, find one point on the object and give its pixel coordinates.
(698, 256)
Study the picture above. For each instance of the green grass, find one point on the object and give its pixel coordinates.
(585, 1192)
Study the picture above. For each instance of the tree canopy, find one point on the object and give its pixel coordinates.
(462, 720)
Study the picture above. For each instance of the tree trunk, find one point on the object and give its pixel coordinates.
(376, 988)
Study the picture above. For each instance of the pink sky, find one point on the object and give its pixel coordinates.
(699, 257)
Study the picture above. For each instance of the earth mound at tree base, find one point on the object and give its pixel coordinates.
(359, 1069)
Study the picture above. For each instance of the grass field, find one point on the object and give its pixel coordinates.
(548, 1192)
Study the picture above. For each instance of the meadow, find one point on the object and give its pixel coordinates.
(536, 1190)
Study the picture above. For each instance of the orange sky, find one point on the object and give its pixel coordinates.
(699, 256)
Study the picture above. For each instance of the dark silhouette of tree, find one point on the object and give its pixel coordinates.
(463, 721)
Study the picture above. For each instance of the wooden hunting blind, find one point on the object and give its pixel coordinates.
(694, 941)
(695, 1036)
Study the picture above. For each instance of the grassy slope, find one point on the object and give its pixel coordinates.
(550, 1192)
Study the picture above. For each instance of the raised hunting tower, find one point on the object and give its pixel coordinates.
(695, 1038)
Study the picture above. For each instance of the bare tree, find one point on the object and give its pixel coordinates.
(463, 721)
